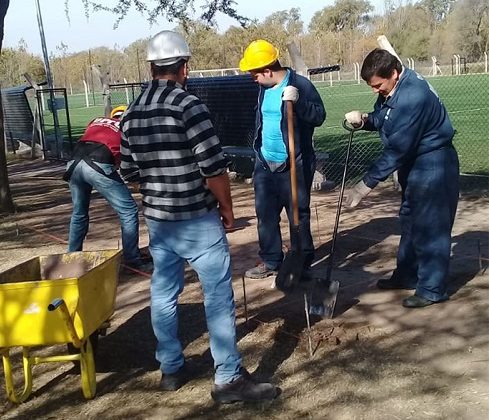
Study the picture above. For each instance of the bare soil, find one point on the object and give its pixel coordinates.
(373, 360)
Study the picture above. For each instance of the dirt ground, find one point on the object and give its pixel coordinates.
(373, 360)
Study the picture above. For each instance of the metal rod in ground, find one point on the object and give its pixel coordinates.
(317, 223)
(480, 256)
(306, 308)
(244, 299)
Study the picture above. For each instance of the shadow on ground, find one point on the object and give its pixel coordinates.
(375, 359)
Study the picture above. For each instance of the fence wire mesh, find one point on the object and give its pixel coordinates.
(232, 99)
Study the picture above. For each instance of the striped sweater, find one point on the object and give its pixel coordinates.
(169, 140)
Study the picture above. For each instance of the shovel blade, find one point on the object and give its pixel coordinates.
(324, 299)
(290, 271)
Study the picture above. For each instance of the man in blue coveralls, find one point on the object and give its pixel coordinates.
(417, 135)
(271, 176)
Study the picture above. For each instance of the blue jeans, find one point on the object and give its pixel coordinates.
(113, 189)
(272, 194)
(202, 243)
(429, 203)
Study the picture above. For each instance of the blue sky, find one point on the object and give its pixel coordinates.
(80, 34)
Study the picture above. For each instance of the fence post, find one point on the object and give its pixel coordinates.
(485, 61)
(43, 106)
(86, 94)
(127, 92)
(330, 78)
(457, 64)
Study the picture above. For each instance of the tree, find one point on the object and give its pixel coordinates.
(6, 202)
(408, 28)
(438, 10)
(136, 60)
(14, 62)
(208, 52)
(344, 15)
(289, 21)
(339, 26)
(175, 10)
(471, 25)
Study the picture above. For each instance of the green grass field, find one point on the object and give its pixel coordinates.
(466, 98)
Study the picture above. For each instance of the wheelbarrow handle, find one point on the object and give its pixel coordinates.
(60, 304)
(347, 126)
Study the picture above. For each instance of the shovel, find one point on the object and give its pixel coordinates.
(326, 290)
(290, 270)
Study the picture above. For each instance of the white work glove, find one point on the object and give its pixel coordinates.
(355, 195)
(355, 118)
(291, 93)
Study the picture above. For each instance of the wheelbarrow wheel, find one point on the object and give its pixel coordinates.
(87, 370)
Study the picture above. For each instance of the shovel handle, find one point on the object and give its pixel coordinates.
(293, 168)
(348, 127)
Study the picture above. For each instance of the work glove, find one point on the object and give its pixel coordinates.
(355, 118)
(355, 195)
(291, 93)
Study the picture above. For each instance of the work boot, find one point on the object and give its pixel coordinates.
(244, 388)
(260, 272)
(174, 381)
(416, 302)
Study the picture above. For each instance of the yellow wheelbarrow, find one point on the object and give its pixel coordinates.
(56, 299)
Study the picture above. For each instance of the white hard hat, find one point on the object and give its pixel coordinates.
(167, 47)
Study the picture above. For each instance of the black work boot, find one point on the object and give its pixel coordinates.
(174, 381)
(416, 301)
(244, 388)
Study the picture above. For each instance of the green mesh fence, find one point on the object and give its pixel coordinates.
(466, 97)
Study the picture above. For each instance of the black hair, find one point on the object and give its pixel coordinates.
(171, 69)
(275, 66)
(379, 63)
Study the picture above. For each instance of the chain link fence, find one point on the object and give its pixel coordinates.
(465, 96)
(232, 99)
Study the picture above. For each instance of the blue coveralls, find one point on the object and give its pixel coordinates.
(272, 189)
(417, 135)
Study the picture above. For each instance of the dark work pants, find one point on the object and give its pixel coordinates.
(272, 195)
(429, 202)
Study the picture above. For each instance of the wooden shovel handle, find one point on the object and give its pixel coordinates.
(293, 168)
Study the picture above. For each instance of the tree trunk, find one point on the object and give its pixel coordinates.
(6, 203)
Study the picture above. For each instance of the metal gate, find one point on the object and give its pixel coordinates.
(54, 115)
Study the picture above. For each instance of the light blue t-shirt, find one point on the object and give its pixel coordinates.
(273, 146)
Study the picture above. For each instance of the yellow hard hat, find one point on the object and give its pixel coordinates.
(258, 54)
(118, 111)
